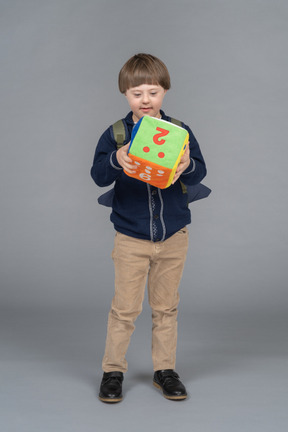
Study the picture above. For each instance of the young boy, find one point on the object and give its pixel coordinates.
(151, 236)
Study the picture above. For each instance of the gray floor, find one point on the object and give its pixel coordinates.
(234, 367)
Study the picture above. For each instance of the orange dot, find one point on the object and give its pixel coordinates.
(146, 149)
(161, 154)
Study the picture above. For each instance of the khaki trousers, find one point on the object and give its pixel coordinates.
(134, 261)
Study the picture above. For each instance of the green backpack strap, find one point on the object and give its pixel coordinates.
(119, 133)
(176, 122)
(184, 188)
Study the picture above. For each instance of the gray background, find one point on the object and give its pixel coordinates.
(59, 65)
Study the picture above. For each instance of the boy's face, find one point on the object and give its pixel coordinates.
(145, 99)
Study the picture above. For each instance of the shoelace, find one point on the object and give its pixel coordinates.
(169, 376)
(109, 379)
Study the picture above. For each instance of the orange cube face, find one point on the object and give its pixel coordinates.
(151, 173)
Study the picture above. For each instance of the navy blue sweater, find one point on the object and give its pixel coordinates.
(139, 209)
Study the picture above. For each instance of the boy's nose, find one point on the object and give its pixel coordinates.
(145, 98)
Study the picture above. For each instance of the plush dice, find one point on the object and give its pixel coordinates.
(156, 148)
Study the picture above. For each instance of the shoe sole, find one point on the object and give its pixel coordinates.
(169, 397)
(109, 400)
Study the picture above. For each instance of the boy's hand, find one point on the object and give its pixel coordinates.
(183, 164)
(124, 160)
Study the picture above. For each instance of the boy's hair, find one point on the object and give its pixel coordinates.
(143, 69)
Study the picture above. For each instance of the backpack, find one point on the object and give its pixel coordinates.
(119, 133)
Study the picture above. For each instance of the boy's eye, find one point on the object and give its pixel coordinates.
(137, 94)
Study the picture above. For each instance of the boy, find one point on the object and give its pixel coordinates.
(151, 236)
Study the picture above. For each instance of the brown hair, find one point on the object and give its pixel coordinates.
(143, 69)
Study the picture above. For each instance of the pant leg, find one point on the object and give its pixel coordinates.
(165, 275)
(131, 262)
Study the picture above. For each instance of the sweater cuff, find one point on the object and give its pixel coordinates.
(114, 162)
(191, 168)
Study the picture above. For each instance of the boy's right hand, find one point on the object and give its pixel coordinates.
(124, 160)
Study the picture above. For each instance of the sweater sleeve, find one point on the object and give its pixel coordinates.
(196, 171)
(105, 169)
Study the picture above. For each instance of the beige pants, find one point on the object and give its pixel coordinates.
(163, 263)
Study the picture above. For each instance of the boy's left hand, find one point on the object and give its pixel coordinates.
(183, 164)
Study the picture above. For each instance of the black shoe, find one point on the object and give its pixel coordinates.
(111, 387)
(169, 382)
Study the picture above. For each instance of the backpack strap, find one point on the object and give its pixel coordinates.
(176, 122)
(119, 133)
